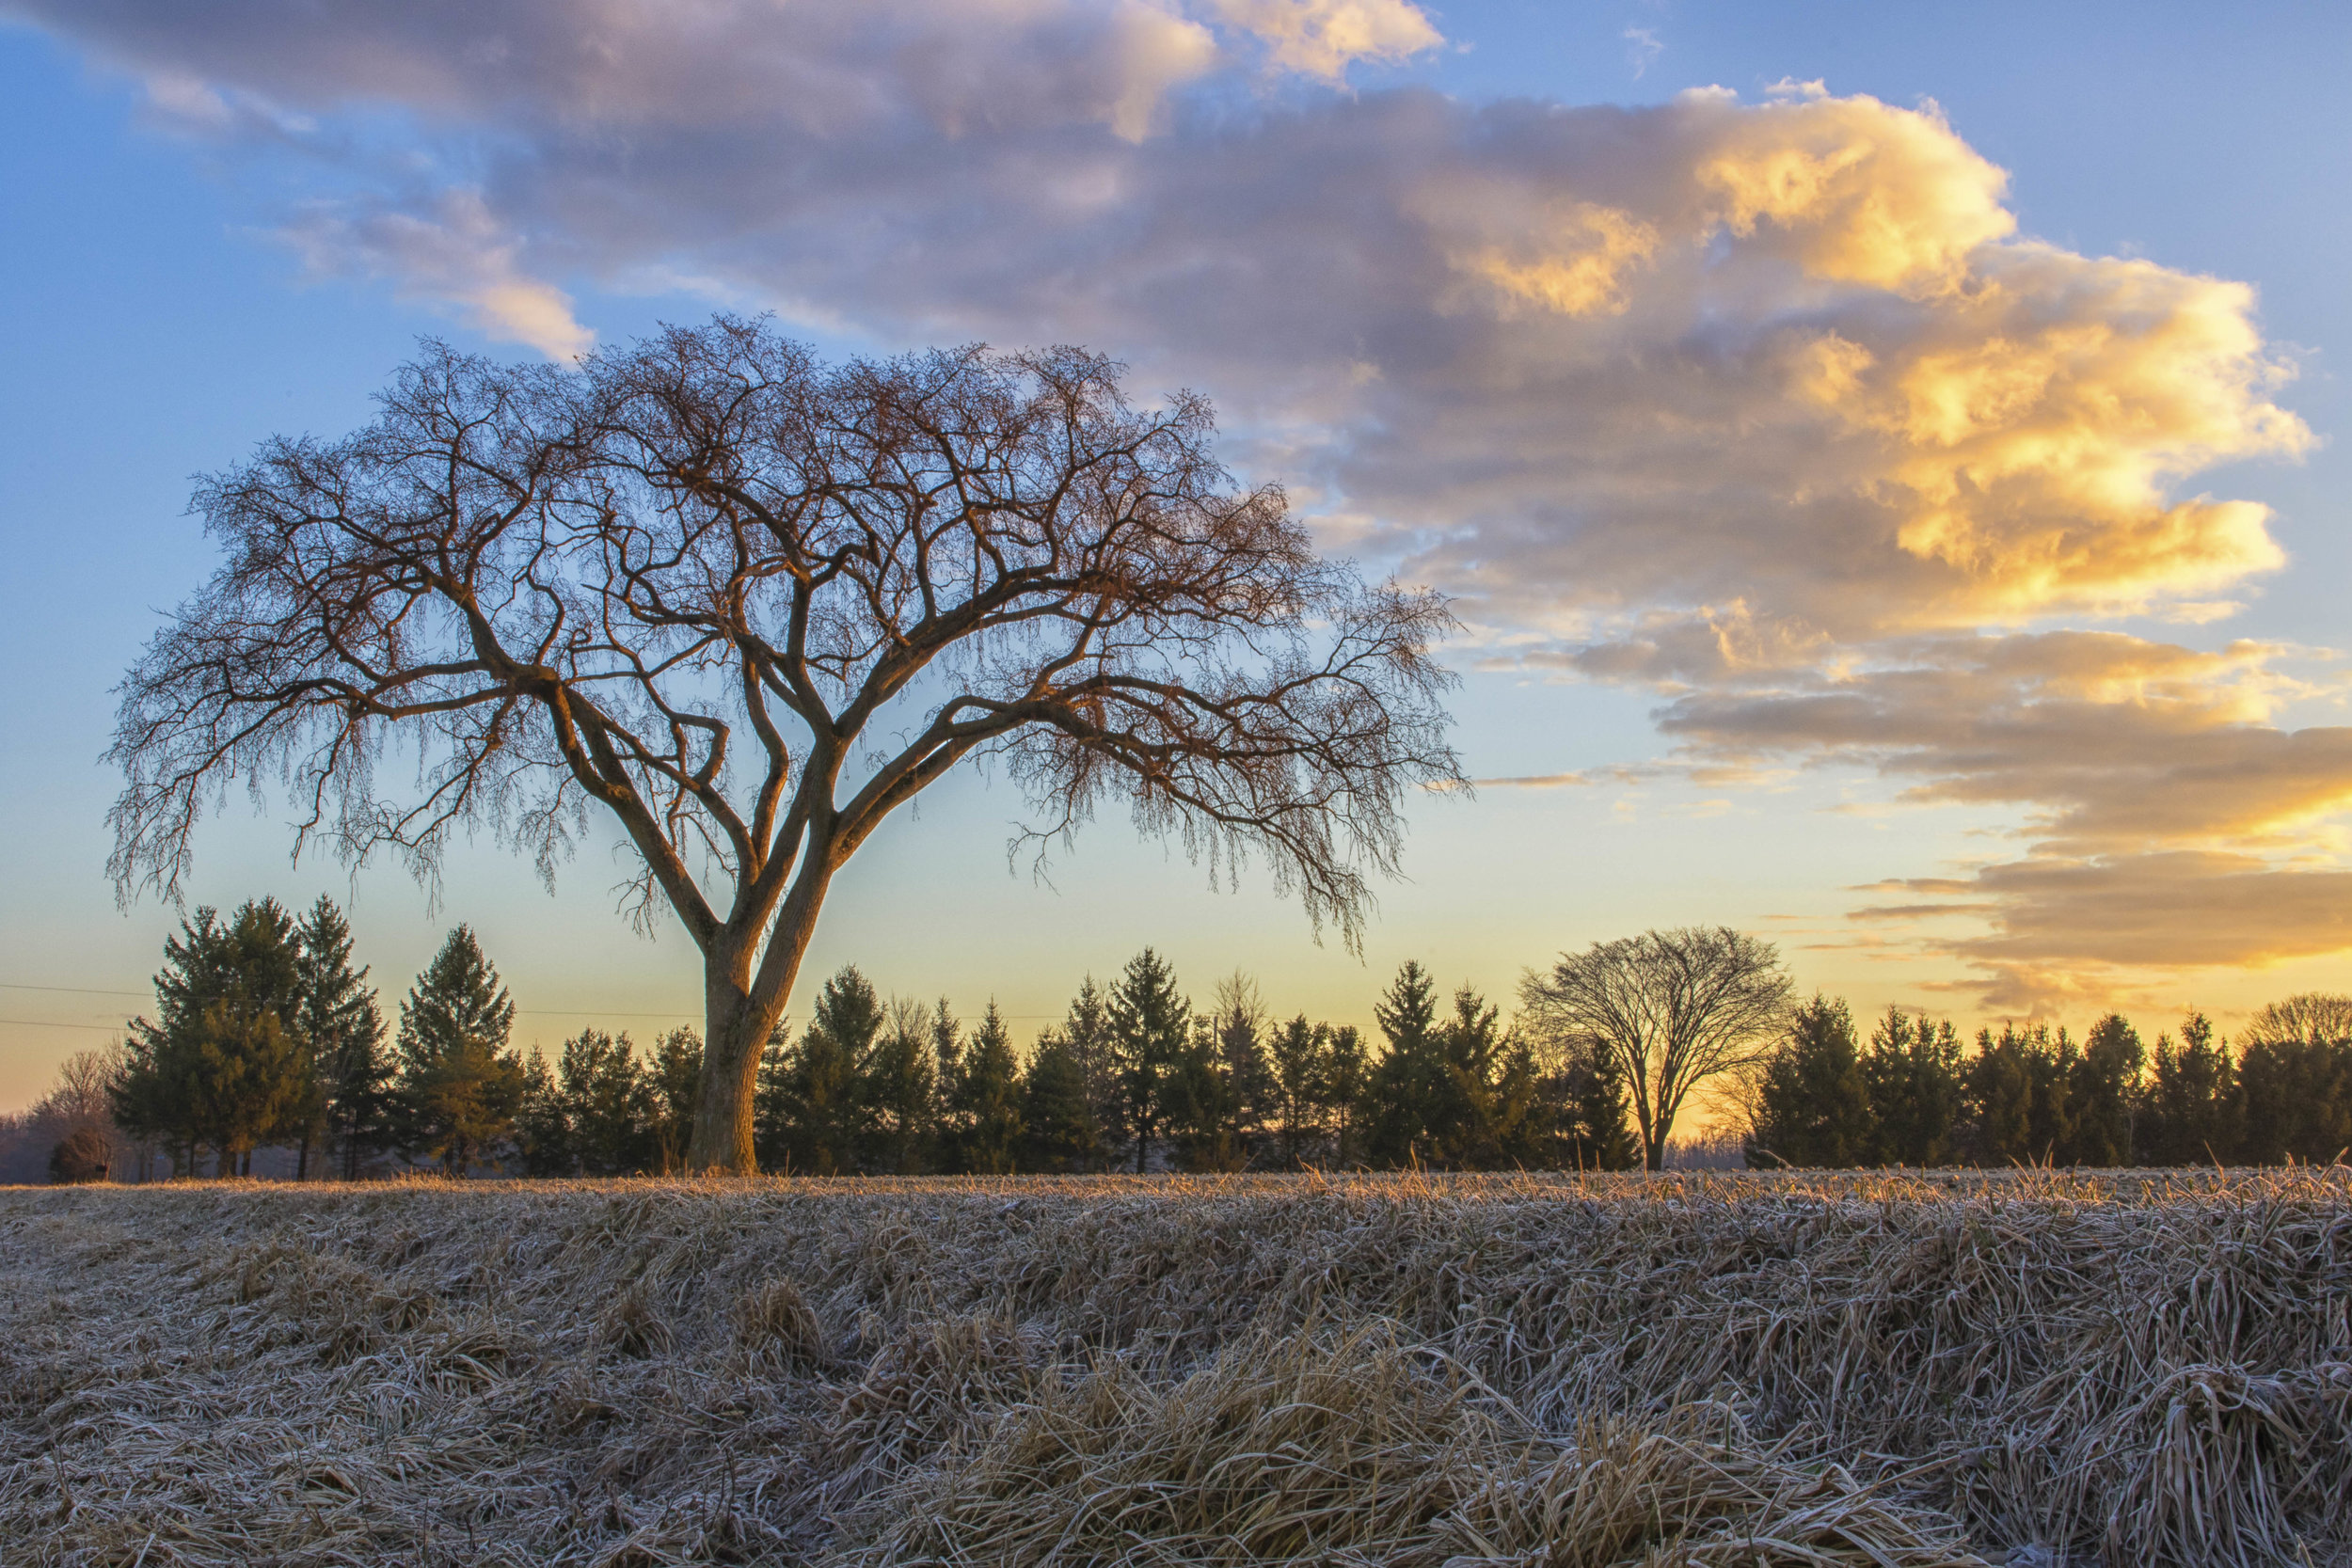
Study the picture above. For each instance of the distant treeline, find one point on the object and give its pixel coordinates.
(1914, 1095)
(268, 1037)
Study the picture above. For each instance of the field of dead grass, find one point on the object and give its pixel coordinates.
(1702, 1369)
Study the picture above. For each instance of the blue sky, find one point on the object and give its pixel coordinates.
(211, 237)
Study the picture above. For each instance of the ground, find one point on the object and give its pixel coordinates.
(1912, 1370)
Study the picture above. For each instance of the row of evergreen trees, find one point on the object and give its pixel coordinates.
(266, 1035)
(1913, 1095)
(1135, 1077)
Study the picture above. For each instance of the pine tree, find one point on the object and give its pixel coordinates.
(2103, 1092)
(773, 1129)
(223, 1067)
(1913, 1072)
(1300, 1065)
(672, 1080)
(544, 1140)
(2196, 1114)
(1086, 1029)
(1597, 1132)
(604, 1096)
(1464, 1118)
(1202, 1107)
(340, 1019)
(1407, 1080)
(1056, 1115)
(901, 1086)
(823, 1099)
(1522, 1120)
(1149, 1026)
(1814, 1105)
(1347, 1084)
(154, 1097)
(988, 1098)
(460, 1086)
(1238, 1019)
(2000, 1082)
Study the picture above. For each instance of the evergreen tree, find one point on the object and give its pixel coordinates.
(672, 1080)
(1300, 1070)
(989, 1099)
(459, 1085)
(1148, 1027)
(543, 1123)
(2102, 1092)
(948, 1130)
(604, 1093)
(822, 1101)
(772, 1102)
(340, 1019)
(1056, 1115)
(223, 1067)
(1814, 1105)
(1203, 1106)
(1407, 1080)
(2054, 1060)
(250, 1076)
(2298, 1094)
(1239, 1022)
(1523, 1118)
(2000, 1098)
(1086, 1029)
(1464, 1117)
(2195, 1114)
(1595, 1131)
(153, 1096)
(901, 1082)
(1913, 1072)
(1347, 1084)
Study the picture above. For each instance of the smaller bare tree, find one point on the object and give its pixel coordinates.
(1673, 1010)
(2311, 1015)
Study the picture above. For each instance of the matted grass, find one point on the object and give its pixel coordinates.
(1692, 1369)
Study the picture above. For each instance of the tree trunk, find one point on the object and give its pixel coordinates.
(735, 1034)
(735, 1028)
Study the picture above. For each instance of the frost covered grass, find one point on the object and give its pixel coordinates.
(1697, 1368)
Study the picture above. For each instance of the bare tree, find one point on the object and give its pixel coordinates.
(1671, 1009)
(2311, 1015)
(750, 605)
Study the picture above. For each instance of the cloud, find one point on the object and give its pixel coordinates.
(1643, 48)
(2167, 819)
(457, 258)
(2111, 742)
(1323, 37)
(1766, 406)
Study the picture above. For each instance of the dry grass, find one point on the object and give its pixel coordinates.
(1697, 1368)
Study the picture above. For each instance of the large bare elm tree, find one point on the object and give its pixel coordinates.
(750, 604)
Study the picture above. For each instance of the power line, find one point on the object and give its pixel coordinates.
(52, 1024)
(79, 991)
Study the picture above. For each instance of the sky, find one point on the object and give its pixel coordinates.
(1887, 460)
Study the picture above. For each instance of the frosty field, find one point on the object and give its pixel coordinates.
(1703, 1369)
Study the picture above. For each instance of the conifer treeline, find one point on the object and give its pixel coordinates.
(266, 1035)
(2030, 1095)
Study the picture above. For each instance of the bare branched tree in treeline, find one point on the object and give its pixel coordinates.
(1672, 1009)
(750, 606)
